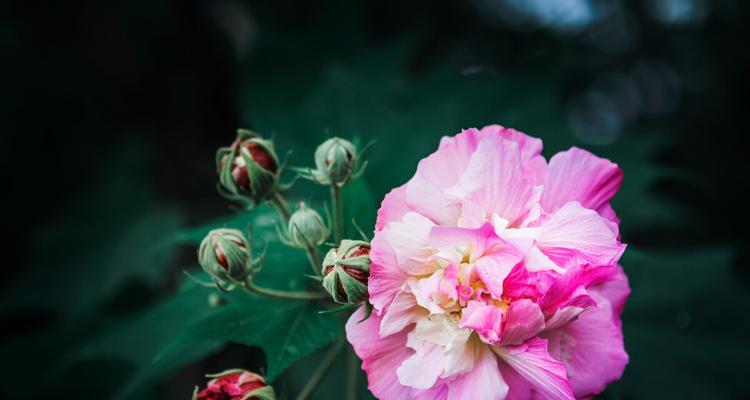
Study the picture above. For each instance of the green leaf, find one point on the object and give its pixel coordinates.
(286, 330)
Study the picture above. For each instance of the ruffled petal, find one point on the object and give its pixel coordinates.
(495, 183)
(483, 382)
(386, 278)
(409, 240)
(577, 175)
(393, 207)
(380, 356)
(535, 166)
(402, 312)
(485, 320)
(542, 373)
(591, 347)
(523, 321)
(493, 269)
(426, 191)
(577, 234)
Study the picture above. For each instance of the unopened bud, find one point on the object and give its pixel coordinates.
(249, 168)
(235, 384)
(345, 271)
(335, 162)
(225, 255)
(306, 228)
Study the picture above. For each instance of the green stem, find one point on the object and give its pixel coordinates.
(337, 213)
(314, 258)
(325, 364)
(282, 294)
(281, 205)
(351, 375)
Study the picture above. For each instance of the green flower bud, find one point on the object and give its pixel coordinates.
(345, 271)
(248, 169)
(225, 255)
(335, 162)
(235, 384)
(306, 228)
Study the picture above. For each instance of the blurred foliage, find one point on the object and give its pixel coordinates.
(102, 306)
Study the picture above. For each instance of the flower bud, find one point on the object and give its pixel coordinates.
(345, 271)
(249, 168)
(235, 384)
(306, 228)
(335, 162)
(225, 255)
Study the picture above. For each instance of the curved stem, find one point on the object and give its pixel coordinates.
(281, 294)
(281, 205)
(325, 364)
(314, 258)
(337, 213)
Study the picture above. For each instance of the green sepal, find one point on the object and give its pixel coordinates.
(264, 393)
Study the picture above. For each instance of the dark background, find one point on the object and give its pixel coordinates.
(112, 111)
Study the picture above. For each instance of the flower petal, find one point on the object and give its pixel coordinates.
(495, 183)
(577, 175)
(543, 373)
(393, 207)
(409, 240)
(486, 320)
(523, 321)
(591, 347)
(386, 278)
(483, 382)
(493, 270)
(579, 234)
(426, 191)
(380, 356)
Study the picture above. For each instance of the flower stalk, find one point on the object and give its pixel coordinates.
(251, 287)
(325, 364)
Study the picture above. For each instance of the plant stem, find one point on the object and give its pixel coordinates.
(282, 294)
(328, 359)
(281, 205)
(351, 375)
(337, 213)
(314, 258)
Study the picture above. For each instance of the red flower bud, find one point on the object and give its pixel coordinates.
(235, 384)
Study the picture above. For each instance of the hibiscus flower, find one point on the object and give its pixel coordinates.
(495, 275)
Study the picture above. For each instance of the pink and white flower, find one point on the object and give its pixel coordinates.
(495, 275)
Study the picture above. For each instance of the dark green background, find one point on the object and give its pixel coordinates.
(112, 112)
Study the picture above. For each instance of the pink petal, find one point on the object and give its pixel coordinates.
(570, 288)
(577, 175)
(534, 164)
(424, 367)
(523, 321)
(402, 312)
(536, 372)
(591, 347)
(393, 207)
(426, 191)
(485, 319)
(581, 235)
(380, 356)
(495, 182)
(493, 269)
(386, 278)
(409, 240)
(483, 382)
(479, 241)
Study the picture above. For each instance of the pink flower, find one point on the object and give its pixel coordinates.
(495, 275)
